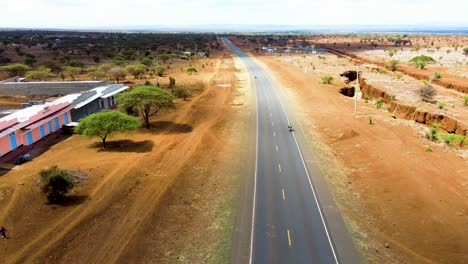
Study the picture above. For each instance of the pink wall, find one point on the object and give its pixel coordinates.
(4, 145)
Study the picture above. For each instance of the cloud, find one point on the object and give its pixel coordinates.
(101, 13)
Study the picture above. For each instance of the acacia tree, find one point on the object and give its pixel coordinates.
(15, 69)
(70, 71)
(117, 73)
(105, 124)
(137, 70)
(190, 69)
(145, 101)
(40, 74)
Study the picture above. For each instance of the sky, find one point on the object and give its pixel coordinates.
(128, 13)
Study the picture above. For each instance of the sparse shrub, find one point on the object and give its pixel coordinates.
(465, 51)
(392, 97)
(369, 119)
(172, 82)
(433, 130)
(393, 65)
(437, 76)
(398, 75)
(440, 105)
(379, 103)
(181, 93)
(451, 138)
(426, 92)
(160, 71)
(465, 99)
(75, 63)
(55, 183)
(380, 71)
(327, 79)
(147, 83)
(366, 98)
(427, 149)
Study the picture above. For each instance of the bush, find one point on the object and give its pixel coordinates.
(327, 79)
(398, 75)
(440, 105)
(75, 63)
(181, 93)
(393, 65)
(451, 138)
(465, 99)
(465, 51)
(433, 131)
(55, 183)
(427, 92)
(427, 149)
(437, 76)
(146, 61)
(172, 82)
(380, 71)
(379, 103)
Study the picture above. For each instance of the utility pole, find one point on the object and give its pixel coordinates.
(356, 90)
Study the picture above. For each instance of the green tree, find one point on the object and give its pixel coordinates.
(55, 183)
(147, 62)
(71, 72)
(146, 101)
(15, 69)
(190, 69)
(40, 74)
(137, 70)
(117, 73)
(421, 61)
(105, 124)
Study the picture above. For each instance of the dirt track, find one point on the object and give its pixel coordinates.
(110, 217)
(404, 205)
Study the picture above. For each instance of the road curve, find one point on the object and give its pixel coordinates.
(288, 225)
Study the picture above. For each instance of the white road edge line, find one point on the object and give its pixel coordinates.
(310, 182)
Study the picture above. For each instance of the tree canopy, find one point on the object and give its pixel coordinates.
(55, 183)
(16, 69)
(421, 61)
(105, 124)
(145, 101)
(147, 62)
(40, 74)
(137, 70)
(190, 69)
(117, 73)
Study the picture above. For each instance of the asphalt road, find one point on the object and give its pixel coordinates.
(288, 224)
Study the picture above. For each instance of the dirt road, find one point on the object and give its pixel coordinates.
(124, 212)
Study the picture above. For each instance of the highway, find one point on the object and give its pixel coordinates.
(287, 222)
